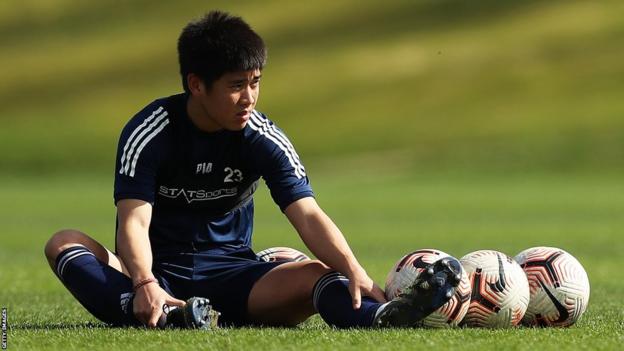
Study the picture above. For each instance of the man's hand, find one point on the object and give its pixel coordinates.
(327, 243)
(149, 301)
(135, 252)
(361, 284)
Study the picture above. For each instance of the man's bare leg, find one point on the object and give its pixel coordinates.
(67, 238)
(283, 296)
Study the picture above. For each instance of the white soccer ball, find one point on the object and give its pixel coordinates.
(407, 269)
(559, 287)
(500, 290)
(275, 254)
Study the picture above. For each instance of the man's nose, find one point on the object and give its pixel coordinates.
(247, 96)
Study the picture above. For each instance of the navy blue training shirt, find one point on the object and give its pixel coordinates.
(201, 184)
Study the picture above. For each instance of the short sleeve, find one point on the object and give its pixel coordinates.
(138, 155)
(279, 163)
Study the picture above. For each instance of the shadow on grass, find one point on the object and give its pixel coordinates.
(59, 326)
(93, 325)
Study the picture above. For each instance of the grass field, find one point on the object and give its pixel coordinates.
(504, 83)
(383, 213)
(452, 124)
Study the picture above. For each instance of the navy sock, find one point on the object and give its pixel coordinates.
(332, 300)
(105, 292)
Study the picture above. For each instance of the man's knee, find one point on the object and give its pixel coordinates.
(313, 270)
(316, 269)
(62, 240)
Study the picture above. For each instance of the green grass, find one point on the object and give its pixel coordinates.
(434, 123)
(513, 84)
(385, 212)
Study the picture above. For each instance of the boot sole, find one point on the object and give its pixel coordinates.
(433, 287)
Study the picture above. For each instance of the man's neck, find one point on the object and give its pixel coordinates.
(198, 116)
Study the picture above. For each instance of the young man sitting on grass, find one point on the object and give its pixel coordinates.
(187, 168)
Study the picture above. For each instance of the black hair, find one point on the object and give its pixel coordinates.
(216, 44)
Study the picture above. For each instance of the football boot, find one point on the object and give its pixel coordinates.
(432, 288)
(196, 314)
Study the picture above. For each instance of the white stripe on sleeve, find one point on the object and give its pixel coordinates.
(264, 128)
(147, 140)
(137, 130)
(136, 141)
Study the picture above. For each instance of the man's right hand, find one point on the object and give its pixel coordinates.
(149, 300)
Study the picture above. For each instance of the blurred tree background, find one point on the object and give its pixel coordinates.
(429, 85)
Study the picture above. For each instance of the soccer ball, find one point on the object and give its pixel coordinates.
(559, 287)
(275, 254)
(407, 269)
(500, 290)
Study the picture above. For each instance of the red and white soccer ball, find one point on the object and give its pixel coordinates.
(500, 290)
(407, 269)
(559, 287)
(275, 254)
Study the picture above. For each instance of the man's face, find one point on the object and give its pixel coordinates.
(230, 100)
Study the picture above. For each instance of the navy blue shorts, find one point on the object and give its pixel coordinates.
(226, 279)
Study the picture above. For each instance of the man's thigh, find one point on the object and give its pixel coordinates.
(283, 296)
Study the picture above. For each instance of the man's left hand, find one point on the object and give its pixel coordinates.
(360, 284)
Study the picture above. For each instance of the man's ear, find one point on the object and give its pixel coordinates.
(195, 84)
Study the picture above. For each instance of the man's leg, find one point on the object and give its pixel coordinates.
(294, 291)
(67, 238)
(283, 296)
(99, 280)
(94, 275)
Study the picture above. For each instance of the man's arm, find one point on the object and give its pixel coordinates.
(327, 243)
(134, 248)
